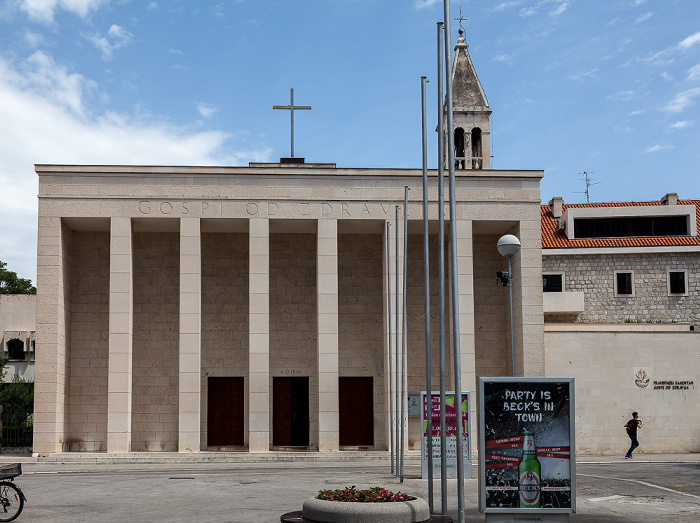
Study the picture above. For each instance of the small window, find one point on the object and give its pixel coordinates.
(553, 282)
(624, 283)
(15, 349)
(677, 282)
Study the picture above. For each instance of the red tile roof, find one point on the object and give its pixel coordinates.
(553, 238)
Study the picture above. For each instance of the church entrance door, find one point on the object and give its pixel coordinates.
(225, 412)
(356, 411)
(290, 412)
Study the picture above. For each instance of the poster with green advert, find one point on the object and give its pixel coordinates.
(526, 445)
(430, 424)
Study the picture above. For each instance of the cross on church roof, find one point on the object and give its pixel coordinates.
(460, 20)
(291, 108)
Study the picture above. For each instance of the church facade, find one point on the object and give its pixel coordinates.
(247, 308)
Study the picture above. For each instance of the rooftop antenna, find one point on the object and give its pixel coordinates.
(589, 182)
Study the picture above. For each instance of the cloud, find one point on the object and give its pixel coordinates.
(636, 113)
(682, 100)
(558, 8)
(689, 42)
(635, 3)
(422, 4)
(622, 96)
(152, 6)
(643, 18)
(657, 148)
(206, 110)
(44, 10)
(501, 58)
(47, 115)
(506, 5)
(584, 76)
(694, 72)
(680, 124)
(117, 37)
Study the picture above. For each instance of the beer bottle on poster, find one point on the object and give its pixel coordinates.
(529, 474)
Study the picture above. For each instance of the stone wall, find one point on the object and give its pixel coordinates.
(360, 313)
(156, 342)
(490, 309)
(89, 343)
(224, 314)
(594, 275)
(293, 322)
(615, 367)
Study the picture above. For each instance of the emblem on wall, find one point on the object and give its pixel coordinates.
(642, 378)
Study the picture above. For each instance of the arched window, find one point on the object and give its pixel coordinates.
(460, 153)
(15, 349)
(477, 158)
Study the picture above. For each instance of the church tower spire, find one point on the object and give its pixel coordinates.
(471, 112)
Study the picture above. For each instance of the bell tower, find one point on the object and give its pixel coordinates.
(471, 113)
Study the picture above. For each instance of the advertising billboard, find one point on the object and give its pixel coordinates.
(432, 420)
(526, 445)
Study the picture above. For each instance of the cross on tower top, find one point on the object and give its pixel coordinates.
(460, 20)
(291, 108)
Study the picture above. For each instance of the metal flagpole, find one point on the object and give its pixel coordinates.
(441, 273)
(388, 294)
(397, 343)
(403, 329)
(454, 287)
(426, 269)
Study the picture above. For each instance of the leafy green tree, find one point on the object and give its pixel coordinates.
(10, 283)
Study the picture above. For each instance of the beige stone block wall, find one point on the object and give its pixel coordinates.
(293, 331)
(224, 314)
(89, 344)
(17, 312)
(52, 333)
(605, 362)
(491, 309)
(361, 328)
(156, 341)
(415, 304)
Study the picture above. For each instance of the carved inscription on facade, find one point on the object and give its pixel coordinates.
(261, 209)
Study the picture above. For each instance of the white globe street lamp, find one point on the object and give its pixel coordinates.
(508, 246)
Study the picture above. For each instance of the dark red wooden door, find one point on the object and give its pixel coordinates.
(290, 412)
(225, 412)
(356, 411)
(281, 412)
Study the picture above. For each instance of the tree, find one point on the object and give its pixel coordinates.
(10, 283)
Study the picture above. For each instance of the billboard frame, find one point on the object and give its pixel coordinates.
(482, 444)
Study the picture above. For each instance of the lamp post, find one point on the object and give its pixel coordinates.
(509, 245)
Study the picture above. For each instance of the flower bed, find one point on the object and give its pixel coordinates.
(377, 505)
(371, 495)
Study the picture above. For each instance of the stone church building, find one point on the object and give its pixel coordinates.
(246, 308)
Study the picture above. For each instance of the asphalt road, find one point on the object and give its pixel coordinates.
(621, 491)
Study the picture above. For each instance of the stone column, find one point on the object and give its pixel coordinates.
(51, 351)
(327, 291)
(467, 344)
(528, 320)
(121, 320)
(190, 335)
(259, 336)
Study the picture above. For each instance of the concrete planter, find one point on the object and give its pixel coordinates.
(413, 511)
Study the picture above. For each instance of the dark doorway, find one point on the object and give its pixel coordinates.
(356, 412)
(225, 412)
(290, 412)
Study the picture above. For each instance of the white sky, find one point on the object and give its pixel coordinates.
(611, 87)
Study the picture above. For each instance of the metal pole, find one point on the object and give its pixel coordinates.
(291, 110)
(441, 273)
(388, 293)
(453, 268)
(403, 329)
(510, 301)
(426, 269)
(397, 343)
